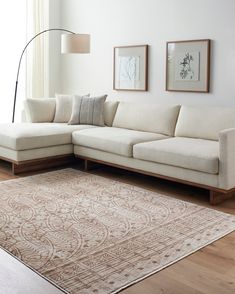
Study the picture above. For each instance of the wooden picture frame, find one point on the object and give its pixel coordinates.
(188, 66)
(130, 68)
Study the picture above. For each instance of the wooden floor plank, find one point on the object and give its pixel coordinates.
(161, 284)
(200, 278)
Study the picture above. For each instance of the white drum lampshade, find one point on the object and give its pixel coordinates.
(75, 43)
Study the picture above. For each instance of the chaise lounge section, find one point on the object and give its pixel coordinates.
(26, 144)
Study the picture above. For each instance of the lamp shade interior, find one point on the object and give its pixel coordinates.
(75, 43)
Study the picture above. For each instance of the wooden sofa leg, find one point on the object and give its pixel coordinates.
(14, 168)
(88, 165)
(219, 197)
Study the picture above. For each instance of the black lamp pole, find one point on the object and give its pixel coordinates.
(18, 71)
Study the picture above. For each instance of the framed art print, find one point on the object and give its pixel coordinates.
(130, 69)
(188, 66)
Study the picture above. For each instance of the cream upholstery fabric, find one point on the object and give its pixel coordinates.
(227, 159)
(39, 110)
(147, 117)
(196, 160)
(64, 104)
(88, 110)
(23, 116)
(24, 136)
(114, 140)
(148, 166)
(110, 108)
(204, 122)
(195, 154)
(37, 153)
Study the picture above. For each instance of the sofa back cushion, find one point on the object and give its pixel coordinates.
(110, 108)
(43, 110)
(39, 110)
(147, 117)
(204, 122)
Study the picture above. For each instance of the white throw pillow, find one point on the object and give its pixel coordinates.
(110, 108)
(64, 105)
(39, 110)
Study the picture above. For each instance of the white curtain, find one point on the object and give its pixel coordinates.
(37, 69)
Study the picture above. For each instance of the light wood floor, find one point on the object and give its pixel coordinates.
(210, 270)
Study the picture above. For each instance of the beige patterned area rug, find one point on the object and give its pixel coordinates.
(89, 234)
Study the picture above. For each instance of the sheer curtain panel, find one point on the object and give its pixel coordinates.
(37, 71)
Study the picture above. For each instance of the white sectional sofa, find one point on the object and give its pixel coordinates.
(193, 145)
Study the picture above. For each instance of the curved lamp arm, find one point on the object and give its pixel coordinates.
(21, 56)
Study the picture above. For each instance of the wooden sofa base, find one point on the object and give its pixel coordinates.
(217, 195)
(39, 164)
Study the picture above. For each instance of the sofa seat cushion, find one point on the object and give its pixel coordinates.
(195, 154)
(113, 140)
(25, 136)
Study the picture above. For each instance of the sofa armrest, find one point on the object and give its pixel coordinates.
(227, 159)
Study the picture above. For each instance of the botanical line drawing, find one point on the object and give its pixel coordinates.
(187, 66)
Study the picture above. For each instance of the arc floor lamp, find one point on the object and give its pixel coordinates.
(70, 43)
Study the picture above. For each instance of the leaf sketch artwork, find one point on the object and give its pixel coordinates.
(130, 71)
(129, 68)
(187, 66)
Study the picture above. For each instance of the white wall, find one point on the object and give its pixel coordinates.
(13, 38)
(128, 22)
